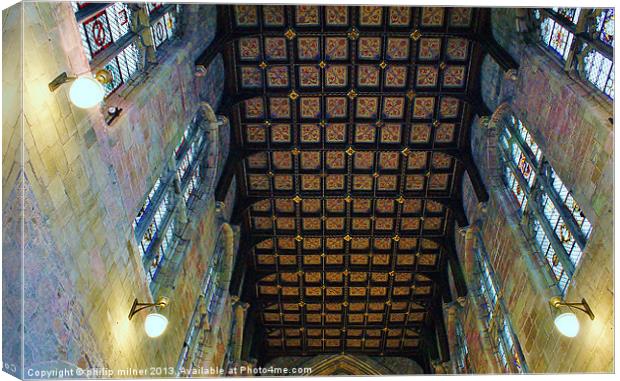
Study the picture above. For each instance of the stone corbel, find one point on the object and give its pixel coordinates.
(481, 212)
(463, 230)
(220, 208)
(483, 121)
(511, 75)
(441, 367)
(207, 114)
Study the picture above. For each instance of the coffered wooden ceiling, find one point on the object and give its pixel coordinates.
(349, 122)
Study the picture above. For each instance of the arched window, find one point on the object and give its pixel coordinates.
(110, 36)
(583, 39)
(213, 289)
(556, 222)
(462, 360)
(155, 228)
(496, 320)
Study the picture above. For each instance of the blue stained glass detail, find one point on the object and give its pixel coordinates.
(605, 26)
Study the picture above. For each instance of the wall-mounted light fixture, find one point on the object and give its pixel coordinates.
(566, 322)
(86, 91)
(155, 324)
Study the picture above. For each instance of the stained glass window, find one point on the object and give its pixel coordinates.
(152, 225)
(187, 156)
(555, 36)
(155, 224)
(110, 41)
(599, 70)
(590, 53)
(462, 359)
(522, 156)
(213, 290)
(496, 319)
(558, 225)
(605, 26)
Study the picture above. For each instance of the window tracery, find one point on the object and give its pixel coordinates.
(583, 39)
(462, 359)
(155, 227)
(495, 315)
(112, 36)
(557, 223)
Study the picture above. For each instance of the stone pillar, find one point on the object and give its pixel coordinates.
(240, 310)
(469, 256)
(450, 313)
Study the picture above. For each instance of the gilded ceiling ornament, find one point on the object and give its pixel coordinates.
(350, 151)
(352, 94)
(347, 238)
(297, 199)
(262, 65)
(415, 35)
(290, 34)
(293, 95)
(405, 151)
(299, 238)
(353, 34)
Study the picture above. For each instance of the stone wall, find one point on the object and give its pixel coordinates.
(84, 182)
(503, 23)
(570, 123)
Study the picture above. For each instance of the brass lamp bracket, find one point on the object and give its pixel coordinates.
(557, 302)
(58, 81)
(103, 76)
(137, 307)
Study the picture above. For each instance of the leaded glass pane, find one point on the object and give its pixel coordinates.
(152, 7)
(550, 255)
(570, 14)
(598, 70)
(163, 29)
(527, 138)
(605, 26)
(463, 351)
(570, 203)
(558, 38)
(104, 28)
(515, 187)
